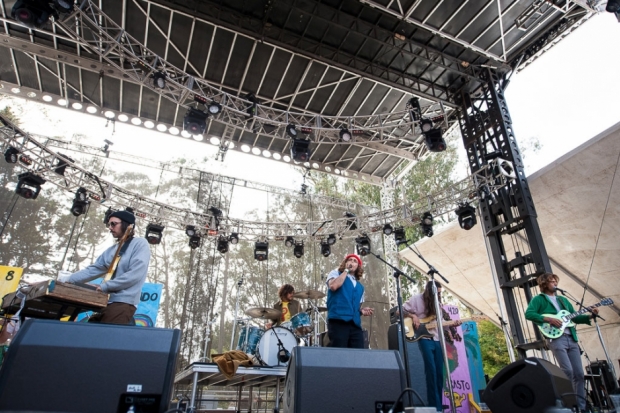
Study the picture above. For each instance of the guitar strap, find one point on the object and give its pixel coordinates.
(120, 255)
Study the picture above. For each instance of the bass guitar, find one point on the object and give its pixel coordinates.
(414, 334)
(565, 317)
(117, 257)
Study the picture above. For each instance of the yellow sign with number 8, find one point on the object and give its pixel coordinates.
(9, 279)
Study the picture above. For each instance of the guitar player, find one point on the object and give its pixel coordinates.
(126, 282)
(565, 348)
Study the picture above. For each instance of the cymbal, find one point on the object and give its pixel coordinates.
(319, 309)
(311, 294)
(264, 313)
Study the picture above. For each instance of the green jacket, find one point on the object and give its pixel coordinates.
(541, 304)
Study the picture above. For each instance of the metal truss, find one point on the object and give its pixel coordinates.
(389, 244)
(42, 161)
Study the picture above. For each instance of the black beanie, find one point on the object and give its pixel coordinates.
(126, 216)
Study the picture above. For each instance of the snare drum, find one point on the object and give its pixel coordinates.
(302, 324)
(267, 350)
(254, 334)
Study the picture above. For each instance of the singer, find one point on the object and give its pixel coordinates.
(565, 349)
(345, 296)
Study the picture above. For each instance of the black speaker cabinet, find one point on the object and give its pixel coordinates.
(528, 385)
(54, 366)
(417, 372)
(325, 379)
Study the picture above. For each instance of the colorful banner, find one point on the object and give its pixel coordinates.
(146, 313)
(474, 358)
(458, 366)
(9, 279)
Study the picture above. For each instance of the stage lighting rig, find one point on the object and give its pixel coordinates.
(363, 245)
(351, 217)
(61, 165)
(300, 150)
(194, 241)
(426, 125)
(399, 235)
(154, 233)
(214, 108)
(35, 13)
(158, 80)
(292, 131)
(345, 135)
(80, 202)
(467, 216)
(298, 249)
(252, 109)
(326, 249)
(261, 250)
(233, 238)
(331, 239)
(11, 155)
(289, 241)
(222, 245)
(190, 230)
(613, 6)
(426, 223)
(434, 140)
(29, 185)
(387, 229)
(195, 121)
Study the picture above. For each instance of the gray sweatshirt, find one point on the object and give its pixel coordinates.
(130, 272)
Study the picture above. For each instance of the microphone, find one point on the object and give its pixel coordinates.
(283, 355)
(560, 290)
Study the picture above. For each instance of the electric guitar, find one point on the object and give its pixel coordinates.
(550, 331)
(117, 257)
(414, 334)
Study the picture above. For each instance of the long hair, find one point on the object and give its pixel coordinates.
(427, 297)
(358, 273)
(544, 280)
(285, 290)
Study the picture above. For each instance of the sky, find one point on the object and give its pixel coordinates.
(561, 100)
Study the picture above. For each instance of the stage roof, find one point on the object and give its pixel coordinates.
(337, 58)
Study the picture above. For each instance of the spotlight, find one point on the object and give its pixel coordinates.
(154, 233)
(331, 239)
(261, 250)
(195, 121)
(300, 150)
(613, 6)
(467, 216)
(298, 250)
(194, 241)
(234, 238)
(289, 242)
(10, 155)
(61, 165)
(190, 230)
(363, 245)
(29, 185)
(351, 225)
(426, 125)
(326, 249)
(214, 108)
(292, 131)
(345, 135)
(427, 224)
(434, 140)
(158, 80)
(399, 236)
(222, 245)
(387, 229)
(63, 6)
(32, 14)
(252, 109)
(80, 202)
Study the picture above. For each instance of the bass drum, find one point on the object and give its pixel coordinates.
(267, 350)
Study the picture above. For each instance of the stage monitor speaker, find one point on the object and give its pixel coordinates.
(417, 371)
(528, 385)
(602, 368)
(326, 379)
(54, 366)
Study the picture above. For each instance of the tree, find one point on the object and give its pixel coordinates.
(493, 348)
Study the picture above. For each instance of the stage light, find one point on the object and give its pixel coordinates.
(298, 250)
(387, 229)
(467, 216)
(426, 125)
(331, 239)
(29, 185)
(222, 245)
(214, 108)
(434, 140)
(194, 241)
(291, 131)
(154, 233)
(190, 230)
(261, 250)
(158, 80)
(33, 13)
(300, 150)
(234, 238)
(63, 6)
(61, 165)
(289, 241)
(10, 155)
(399, 236)
(613, 6)
(351, 225)
(80, 202)
(363, 245)
(345, 135)
(195, 122)
(426, 224)
(326, 249)
(217, 214)
(252, 109)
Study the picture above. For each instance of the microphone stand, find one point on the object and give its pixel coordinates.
(281, 349)
(439, 318)
(207, 339)
(399, 300)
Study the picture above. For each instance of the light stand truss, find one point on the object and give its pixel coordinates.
(35, 157)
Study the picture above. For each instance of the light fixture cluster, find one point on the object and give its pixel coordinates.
(29, 185)
(426, 224)
(154, 233)
(35, 13)
(261, 250)
(433, 136)
(467, 216)
(363, 245)
(195, 120)
(80, 202)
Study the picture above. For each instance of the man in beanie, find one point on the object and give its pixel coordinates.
(344, 298)
(125, 286)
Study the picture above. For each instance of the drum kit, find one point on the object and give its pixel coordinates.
(270, 346)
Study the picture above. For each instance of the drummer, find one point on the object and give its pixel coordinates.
(287, 305)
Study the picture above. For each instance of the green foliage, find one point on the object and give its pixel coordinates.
(10, 115)
(493, 348)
